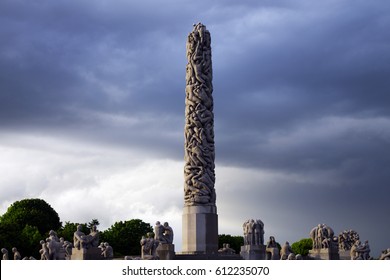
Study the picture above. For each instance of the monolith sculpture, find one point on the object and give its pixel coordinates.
(200, 219)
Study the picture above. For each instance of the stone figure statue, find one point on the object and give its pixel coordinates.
(159, 232)
(68, 249)
(5, 254)
(163, 233)
(52, 248)
(259, 232)
(291, 256)
(79, 238)
(44, 251)
(93, 237)
(385, 255)
(168, 233)
(286, 251)
(199, 153)
(346, 239)
(354, 250)
(107, 252)
(360, 251)
(83, 241)
(226, 250)
(148, 246)
(321, 235)
(253, 232)
(272, 249)
(244, 228)
(17, 255)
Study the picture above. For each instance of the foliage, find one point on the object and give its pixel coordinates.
(25, 223)
(93, 222)
(34, 212)
(302, 246)
(235, 242)
(125, 236)
(29, 242)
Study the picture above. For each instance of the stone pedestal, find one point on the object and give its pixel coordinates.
(93, 253)
(166, 251)
(345, 255)
(272, 253)
(253, 252)
(324, 254)
(200, 229)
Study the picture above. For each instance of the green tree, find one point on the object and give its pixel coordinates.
(34, 212)
(93, 222)
(29, 242)
(302, 246)
(235, 242)
(25, 223)
(125, 236)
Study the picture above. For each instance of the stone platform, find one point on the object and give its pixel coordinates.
(93, 253)
(253, 252)
(166, 252)
(200, 230)
(324, 254)
(207, 257)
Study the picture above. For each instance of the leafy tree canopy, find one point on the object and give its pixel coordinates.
(125, 236)
(302, 246)
(34, 212)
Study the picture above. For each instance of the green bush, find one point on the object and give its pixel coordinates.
(302, 246)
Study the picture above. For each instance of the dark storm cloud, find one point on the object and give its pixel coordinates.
(301, 90)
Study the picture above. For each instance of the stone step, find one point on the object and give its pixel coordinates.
(207, 257)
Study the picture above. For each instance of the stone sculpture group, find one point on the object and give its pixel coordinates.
(163, 234)
(253, 232)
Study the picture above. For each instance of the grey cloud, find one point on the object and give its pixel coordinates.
(300, 88)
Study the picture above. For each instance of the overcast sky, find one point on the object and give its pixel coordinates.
(92, 111)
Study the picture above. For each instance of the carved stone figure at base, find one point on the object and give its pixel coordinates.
(108, 252)
(286, 251)
(320, 236)
(291, 256)
(148, 247)
(253, 232)
(44, 251)
(226, 250)
(5, 254)
(81, 240)
(17, 255)
(272, 249)
(385, 255)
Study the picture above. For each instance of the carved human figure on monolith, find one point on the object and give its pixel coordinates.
(285, 251)
(5, 254)
(17, 255)
(200, 219)
(199, 120)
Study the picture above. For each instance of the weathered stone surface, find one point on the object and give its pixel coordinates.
(199, 121)
(166, 251)
(253, 232)
(93, 253)
(253, 252)
(200, 219)
(324, 254)
(200, 230)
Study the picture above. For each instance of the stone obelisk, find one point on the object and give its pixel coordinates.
(200, 219)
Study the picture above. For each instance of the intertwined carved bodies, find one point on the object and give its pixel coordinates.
(199, 126)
